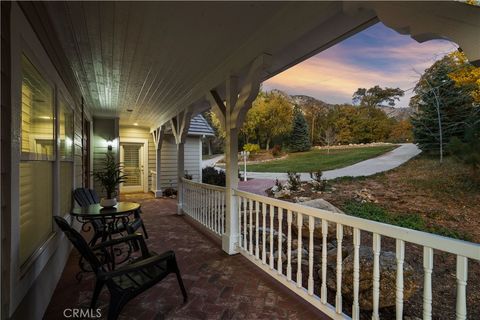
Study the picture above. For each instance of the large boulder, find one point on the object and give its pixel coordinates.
(388, 274)
(317, 233)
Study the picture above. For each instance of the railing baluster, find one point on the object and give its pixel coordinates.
(311, 221)
(239, 208)
(272, 213)
(323, 292)
(257, 208)
(210, 200)
(377, 241)
(289, 245)
(400, 256)
(222, 213)
(462, 275)
(427, 282)
(217, 212)
(338, 297)
(356, 273)
(245, 245)
(299, 249)
(209, 211)
(280, 238)
(250, 207)
(264, 222)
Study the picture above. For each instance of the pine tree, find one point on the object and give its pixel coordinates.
(299, 137)
(443, 108)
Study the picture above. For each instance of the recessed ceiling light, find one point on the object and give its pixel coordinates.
(135, 124)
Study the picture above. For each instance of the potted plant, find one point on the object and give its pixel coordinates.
(110, 176)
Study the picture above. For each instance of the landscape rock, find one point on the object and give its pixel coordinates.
(281, 193)
(364, 196)
(302, 199)
(388, 274)
(317, 233)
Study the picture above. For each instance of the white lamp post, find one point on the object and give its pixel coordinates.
(245, 155)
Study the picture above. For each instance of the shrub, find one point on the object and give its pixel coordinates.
(210, 175)
(276, 150)
(188, 176)
(168, 192)
(318, 183)
(413, 221)
(294, 180)
(251, 147)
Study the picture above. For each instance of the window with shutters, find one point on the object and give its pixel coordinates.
(37, 155)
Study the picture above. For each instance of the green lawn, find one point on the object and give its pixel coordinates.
(315, 159)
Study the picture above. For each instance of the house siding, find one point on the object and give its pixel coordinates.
(168, 160)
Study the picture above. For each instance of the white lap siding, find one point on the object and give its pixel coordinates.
(168, 168)
(168, 172)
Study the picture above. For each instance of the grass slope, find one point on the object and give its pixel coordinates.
(315, 159)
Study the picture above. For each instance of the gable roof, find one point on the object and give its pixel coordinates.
(200, 127)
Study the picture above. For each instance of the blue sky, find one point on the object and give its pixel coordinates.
(377, 55)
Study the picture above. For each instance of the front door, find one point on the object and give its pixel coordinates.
(132, 160)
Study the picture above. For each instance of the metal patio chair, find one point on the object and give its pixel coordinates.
(129, 280)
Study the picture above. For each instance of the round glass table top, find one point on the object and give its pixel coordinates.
(97, 211)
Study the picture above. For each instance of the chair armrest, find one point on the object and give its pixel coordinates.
(139, 265)
(137, 237)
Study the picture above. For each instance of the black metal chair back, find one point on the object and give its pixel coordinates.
(79, 243)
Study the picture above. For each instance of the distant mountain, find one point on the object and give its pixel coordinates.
(302, 100)
(397, 113)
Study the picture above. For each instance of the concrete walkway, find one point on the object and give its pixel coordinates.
(212, 161)
(385, 162)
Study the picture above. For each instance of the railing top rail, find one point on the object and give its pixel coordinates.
(441, 243)
(204, 185)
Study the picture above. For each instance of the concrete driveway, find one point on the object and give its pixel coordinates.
(385, 162)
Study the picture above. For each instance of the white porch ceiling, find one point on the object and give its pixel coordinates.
(157, 58)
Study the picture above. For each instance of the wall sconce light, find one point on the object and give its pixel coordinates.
(109, 145)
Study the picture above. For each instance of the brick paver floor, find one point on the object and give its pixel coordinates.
(219, 286)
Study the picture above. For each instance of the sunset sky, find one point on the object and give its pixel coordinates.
(377, 55)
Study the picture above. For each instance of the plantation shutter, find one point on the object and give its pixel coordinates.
(131, 164)
(36, 165)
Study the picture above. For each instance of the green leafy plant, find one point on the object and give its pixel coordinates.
(318, 183)
(210, 175)
(188, 176)
(294, 180)
(252, 148)
(110, 175)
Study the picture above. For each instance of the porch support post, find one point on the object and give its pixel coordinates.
(158, 135)
(231, 114)
(180, 125)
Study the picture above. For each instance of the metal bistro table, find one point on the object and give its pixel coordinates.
(109, 218)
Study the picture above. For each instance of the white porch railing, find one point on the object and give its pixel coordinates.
(260, 216)
(153, 181)
(206, 204)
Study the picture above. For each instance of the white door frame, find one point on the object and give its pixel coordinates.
(145, 158)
